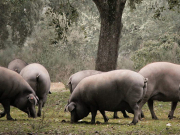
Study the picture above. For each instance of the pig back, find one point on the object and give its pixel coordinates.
(11, 84)
(17, 65)
(38, 78)
(77, 77)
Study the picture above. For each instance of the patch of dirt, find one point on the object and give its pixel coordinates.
(57, 87)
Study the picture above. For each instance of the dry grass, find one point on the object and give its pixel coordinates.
(57, 87)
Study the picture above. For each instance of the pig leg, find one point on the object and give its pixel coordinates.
(6, 105)
(115, 116)
(70, 87)
(173, 107)
(39, 108)
(93, 113)
(150, 105)
(125, 114)
(142, 114)
(104, 116)
(135, 108)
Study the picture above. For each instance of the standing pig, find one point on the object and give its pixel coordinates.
(163, 85)
(16, 91)
(111, 91)
(38, 78)
(17, 65)
(77, 77)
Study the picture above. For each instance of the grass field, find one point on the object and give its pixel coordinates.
(56, 121)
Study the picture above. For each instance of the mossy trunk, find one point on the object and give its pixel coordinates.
(111, 25)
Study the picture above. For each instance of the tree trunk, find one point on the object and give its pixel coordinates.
(111, 25)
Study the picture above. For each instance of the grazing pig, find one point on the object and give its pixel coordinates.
(15, 91)
(17, 65)
(77, 77)
(163, 85)
(38, 78)
(110, 91)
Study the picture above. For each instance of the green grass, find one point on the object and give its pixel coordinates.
(56, 121)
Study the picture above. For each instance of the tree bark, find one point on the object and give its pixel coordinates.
(111, 25)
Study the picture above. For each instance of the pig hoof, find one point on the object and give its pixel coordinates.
(11, 119)
(132, 123)
(39, 115)
(155, 118)
(97, 122)
(116, 117)
(171, 117)
(106, 120)
(126, 116)
(92, 122)
(63, 121)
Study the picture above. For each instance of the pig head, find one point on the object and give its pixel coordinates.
(16, 91)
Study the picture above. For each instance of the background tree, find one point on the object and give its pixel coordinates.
(3, 22)
(65, 46)
(18, 18)
(165, 48)
(111, 25)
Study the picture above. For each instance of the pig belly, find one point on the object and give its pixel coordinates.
(123, 105)
(165, 98)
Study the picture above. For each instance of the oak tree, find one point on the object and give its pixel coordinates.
(111, 25)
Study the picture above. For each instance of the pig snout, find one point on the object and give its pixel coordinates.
(31, 113)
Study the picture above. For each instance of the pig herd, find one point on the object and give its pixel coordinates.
(26, 85)
(23, 86)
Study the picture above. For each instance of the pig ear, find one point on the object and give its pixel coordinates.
(31, 99)
(70, 107)
(66, 107)
(37, 98)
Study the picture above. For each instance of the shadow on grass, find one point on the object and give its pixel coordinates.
(97, 123)
(16, 120)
